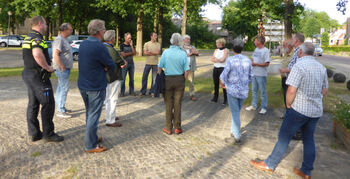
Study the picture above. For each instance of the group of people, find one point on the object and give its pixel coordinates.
(102, 72)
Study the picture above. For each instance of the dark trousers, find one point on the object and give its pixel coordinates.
(146, 71)
(174, 90)
(216, 78)
(284, 88)
(39, 94)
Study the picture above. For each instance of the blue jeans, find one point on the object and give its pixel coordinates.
(62, 89)
(259, 82)
(131, 69)
(235, 107)
(93, 101)
(292, 121)
(146, 71)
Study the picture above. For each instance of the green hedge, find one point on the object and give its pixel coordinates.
(337, 49)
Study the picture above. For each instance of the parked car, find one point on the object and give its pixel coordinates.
(71, 38)
(76, 43)
(11, 40)
(49, 48)
(75, 51)
(318, 50)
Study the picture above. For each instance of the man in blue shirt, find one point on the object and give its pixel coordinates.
(94, 61)
(175, 64)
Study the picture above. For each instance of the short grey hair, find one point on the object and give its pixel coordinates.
(238, 44)
(95, 26)
(176, 39)
(64, 26)
(186, 36)
(109, 35)
(307, 48)
(300, 37)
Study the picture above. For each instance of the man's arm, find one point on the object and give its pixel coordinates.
(290, 96)
(40, 59)
(186, 73)
(266, 64)
(57, 59)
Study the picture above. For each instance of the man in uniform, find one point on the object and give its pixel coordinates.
(36, 76)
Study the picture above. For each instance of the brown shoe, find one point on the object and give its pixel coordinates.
(300, 173)
(261, 166)
(166, 131)
(116, 118)
(178, 131)
(115, 124)
(97, 149)
(193, 98)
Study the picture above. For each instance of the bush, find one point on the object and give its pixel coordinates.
(325, 39)
(342, 113)
(348, 85)
(337, 49)
(330, 73)
(339, 78)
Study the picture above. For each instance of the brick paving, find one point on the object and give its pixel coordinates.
(139, 149)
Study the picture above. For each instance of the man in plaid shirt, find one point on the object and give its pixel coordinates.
(308, 83)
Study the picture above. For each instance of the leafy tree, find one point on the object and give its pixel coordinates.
(325, 39)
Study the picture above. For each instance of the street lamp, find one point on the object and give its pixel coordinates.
(8, 31)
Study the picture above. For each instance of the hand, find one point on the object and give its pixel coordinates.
(189, 54)
(283, 70)
(50, 69)
(106, 68)
(63, 68)
(131, 44)
(253, 64)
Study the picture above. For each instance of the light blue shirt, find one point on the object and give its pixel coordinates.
(174, 61)
(237, 75)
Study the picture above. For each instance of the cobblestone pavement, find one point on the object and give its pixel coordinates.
(139, 149)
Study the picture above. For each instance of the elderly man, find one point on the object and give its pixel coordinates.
(62, 63)
(191, 58)
(151, 50)
(174, 61)
(114, 80)
(36, 75)
(308, 83)
(297, 40)
(94, 60)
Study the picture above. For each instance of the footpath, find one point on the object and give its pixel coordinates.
(139, 149)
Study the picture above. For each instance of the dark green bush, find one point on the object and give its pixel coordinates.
(329, 73)
(348, 85)
(342, 114)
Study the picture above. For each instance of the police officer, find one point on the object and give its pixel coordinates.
(36, 74)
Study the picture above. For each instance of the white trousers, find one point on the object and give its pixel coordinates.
(112, 94)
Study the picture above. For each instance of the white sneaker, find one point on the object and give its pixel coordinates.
(63, 115)
(263, 111)
(250, 108)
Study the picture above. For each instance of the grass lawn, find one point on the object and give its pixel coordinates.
(205, 85)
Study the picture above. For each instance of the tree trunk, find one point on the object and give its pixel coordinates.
(288, 18)
(160, 27)
(155, 21)
(184, 19)
(60, 11)
(117, 36)
(47, 34)
(139, 31)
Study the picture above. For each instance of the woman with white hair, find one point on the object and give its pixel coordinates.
(176, 68)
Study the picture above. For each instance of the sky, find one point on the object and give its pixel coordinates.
(214, 12)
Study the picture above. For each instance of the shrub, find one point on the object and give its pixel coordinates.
(342, 113)
(339, 78)
(330, 73)
(348, 85)
(337, 49)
